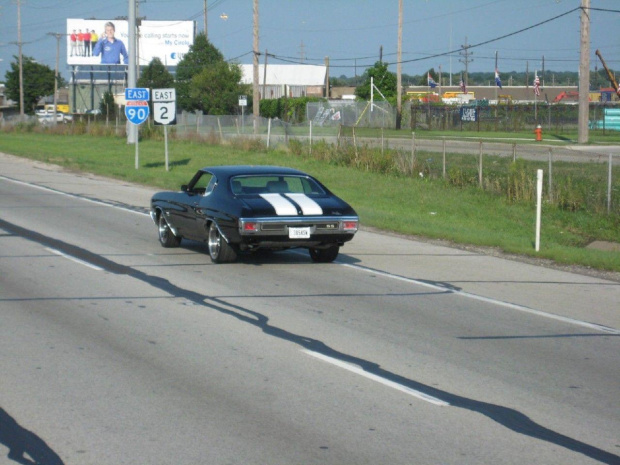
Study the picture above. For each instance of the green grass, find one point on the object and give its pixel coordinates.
(409, 205)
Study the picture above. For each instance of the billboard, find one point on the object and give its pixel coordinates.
(94, 41)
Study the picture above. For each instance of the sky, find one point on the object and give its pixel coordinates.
(352, 33)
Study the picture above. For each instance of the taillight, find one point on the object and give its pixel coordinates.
(349, 225)
(249, 226)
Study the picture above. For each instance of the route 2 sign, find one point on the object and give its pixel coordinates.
(164, 106)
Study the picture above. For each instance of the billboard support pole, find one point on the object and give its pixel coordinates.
(132, 129)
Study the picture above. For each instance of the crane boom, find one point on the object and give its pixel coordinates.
(610, 75)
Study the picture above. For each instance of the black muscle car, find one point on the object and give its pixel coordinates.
(247, 208)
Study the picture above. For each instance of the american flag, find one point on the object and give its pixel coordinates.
(537, 85)
(498, 81)
(431, 82)
(463, 85)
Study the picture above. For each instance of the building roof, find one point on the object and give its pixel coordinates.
(292, 75)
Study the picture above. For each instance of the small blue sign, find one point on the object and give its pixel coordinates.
(137, 111)
(469, 114)
(137, 93)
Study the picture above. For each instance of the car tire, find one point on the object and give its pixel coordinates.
(166, 237)
(327, 255)
(220, 250)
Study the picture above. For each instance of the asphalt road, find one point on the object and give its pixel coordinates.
(114, 350)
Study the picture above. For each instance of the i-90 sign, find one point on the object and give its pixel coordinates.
(137, 111)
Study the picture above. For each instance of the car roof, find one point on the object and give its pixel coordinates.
(236, 170)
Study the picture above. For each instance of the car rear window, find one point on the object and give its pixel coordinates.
(275, 184)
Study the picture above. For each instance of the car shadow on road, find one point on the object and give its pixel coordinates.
(265, 257)
(22, 443)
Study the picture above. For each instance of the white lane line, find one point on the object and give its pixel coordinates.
(74, 196)
(359, 371)
(73, 259)
(520, 308)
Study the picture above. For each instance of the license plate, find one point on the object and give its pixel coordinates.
(299, 233)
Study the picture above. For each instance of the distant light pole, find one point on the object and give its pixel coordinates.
(224, 17)
(255, 91)
(58, 36)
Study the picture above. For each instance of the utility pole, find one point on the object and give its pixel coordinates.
(584, 74)
(205, 18)
(466, 54)
(399, 67)
(327, 93)
(265, 75)
(58, 37)
(255, 91)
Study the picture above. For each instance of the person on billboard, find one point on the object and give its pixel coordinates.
(73, 38)
(94, 37)
(87, 43)
(110, 48)
(80, 42)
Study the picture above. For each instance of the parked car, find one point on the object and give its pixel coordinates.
(237, 209)
(46, 117)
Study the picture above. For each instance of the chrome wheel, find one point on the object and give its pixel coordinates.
(166, 237)
(220, 251)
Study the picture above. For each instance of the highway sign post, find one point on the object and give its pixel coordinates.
(137, 109)
(243, 102)
(165, 111)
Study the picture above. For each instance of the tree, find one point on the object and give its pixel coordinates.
(201, 55)
(216, 89)
(383, 79)
(156, 76)
(38, 81)
(107, 106)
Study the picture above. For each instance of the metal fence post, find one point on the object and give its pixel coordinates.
(412, 151)
(609, 184)
(550, 174)
(480, 166)
(310, 137)
(444, 158)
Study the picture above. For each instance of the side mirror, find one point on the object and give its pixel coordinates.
(184, 187)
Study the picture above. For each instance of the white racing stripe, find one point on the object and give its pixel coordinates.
(282, 206)
(308, 206)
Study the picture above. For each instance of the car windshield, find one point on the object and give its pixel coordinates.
(275, 184)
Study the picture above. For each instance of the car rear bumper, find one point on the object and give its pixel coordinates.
(297, 231)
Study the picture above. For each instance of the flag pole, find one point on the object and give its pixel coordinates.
(535, 97)
(496, 82)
